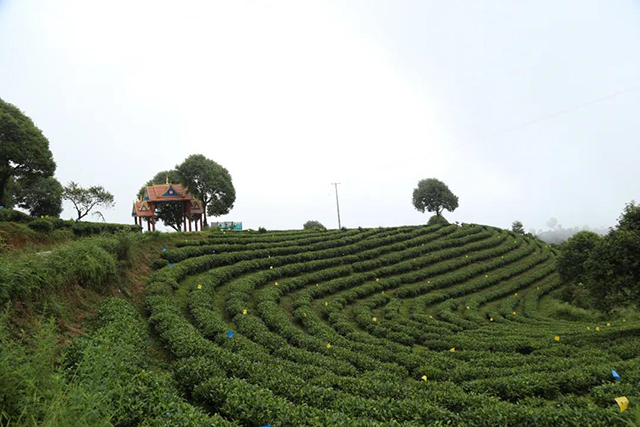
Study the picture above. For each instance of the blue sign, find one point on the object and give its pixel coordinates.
(164, 249)
(171, 265)
(230, 334)
(615, 375)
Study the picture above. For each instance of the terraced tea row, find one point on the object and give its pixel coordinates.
(398, 326)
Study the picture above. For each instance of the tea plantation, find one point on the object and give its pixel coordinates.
(412, 326)
(397, 326)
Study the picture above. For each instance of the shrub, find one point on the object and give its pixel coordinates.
(437, 220)
(262, 230)
(41, 225)
(313, 225)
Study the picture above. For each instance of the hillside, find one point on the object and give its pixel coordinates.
(407, 326)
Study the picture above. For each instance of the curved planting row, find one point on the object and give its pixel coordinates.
(440, 325)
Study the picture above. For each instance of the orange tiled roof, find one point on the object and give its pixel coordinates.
(142, 208)
(167, 192)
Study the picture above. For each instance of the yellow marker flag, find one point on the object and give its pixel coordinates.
(452, 349)
(608, 324)
(598, 328)
(326, 303)
(468, 308)
(516, 294)
(377, 280)
(328, 345)
(557, 338)
(430, 317)
(514, 313)
(271, 267)
(466, 256)
(244, 311)
(199, 286)
(491, 319)
(304, 314)
(486, 275)
(276, 283)
(424, 378)
(588, 328)
(375, 319)
(623, 403)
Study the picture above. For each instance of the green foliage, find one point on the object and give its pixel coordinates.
(42, 197)
(574, 254)
(41, 225)
(518, 228)
(33, 389)
(24, 150)
(85, 199)
(613, 270)
(608, 266)
(90, 263)
(433, 195)
(437, 220)
(209, 182)
(262, 230)
(313, 225)
(630, 218)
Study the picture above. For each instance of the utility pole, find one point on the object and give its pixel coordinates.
(335, 184)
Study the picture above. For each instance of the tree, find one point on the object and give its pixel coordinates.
(209, 182)
(24, 150)
(170, 213)
(433, 195)
(613, 270)
(574, 254)
(518, 228)
(85, 199)
(630, 218)
(313, 225)
(43, 197)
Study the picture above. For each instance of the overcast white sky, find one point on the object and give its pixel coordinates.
(291, 96)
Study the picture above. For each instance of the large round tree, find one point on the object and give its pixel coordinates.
(208, 182)
(24, 151)
(433, 195)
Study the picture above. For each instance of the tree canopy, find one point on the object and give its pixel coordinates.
(433, 195)
(574, 254)
(24, 151)
(209, 182)
(85, 199)
(608, 266)
(518, 228)
(42, 197)
(313, 225)
(169, 213)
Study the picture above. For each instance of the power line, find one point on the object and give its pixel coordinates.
(335, 184)
(563, 111)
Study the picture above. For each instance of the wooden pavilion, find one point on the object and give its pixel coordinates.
(192, 209)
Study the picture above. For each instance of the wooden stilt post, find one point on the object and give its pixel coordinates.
(201, 222)
(148, 225)
(184, 217)
(189, 224)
